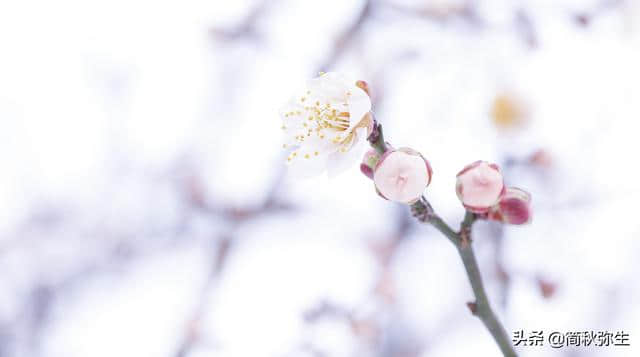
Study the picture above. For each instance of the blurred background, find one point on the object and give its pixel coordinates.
(145, 208)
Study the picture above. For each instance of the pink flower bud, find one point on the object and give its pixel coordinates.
(364, 86)
(402, 175)
(369, 162)
(514, 207)
(479, 186)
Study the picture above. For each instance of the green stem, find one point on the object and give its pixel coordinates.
(444, 228)
(376, 138)
(481, 308)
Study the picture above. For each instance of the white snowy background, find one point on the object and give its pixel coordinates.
(144, 210)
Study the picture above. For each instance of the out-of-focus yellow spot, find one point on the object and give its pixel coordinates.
(508, 112)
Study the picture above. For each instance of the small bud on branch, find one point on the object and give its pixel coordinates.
(369, 162)
(479, 186)
(514, 207)
(402, 175)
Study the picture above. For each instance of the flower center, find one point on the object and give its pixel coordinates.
(317, 118)
(481, 179)
(401, 181)
(327, 116)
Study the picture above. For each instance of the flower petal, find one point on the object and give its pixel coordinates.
(340, 161)
(359, 105)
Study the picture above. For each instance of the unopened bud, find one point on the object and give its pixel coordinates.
(402, 175)
(479, 186)
(369, 162)
(364, 86)
(514, 207)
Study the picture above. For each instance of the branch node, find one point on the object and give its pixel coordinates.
(465, 229)
(376, 138)
(473, 307)
(422, 210)
(465, 237)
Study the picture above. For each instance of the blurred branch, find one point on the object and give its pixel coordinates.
(347, 37)
(247, 28)
(272, 204)
(525, 27)
(23, 328)
(371, 329)
(585, 18)
(439, 13)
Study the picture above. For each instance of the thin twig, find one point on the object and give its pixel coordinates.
(376, 138)
(481, 307)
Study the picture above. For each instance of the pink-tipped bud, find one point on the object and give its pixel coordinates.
(364, 86)
(369, 162)
(402, 175)
(514, 207)
(479, 186)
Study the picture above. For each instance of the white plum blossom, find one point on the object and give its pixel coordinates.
(326, 125)
(402, 175)
(479, 186)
